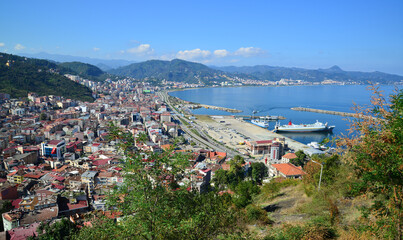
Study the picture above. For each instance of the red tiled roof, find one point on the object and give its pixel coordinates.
(34, 176)
(290, 156)
(58, 186)
(80, 204)
(288, 169)
(264, 141)
(101, 162)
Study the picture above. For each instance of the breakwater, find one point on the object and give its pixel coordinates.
(345, 114)
(220, 108)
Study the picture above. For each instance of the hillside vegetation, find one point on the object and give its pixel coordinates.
(85, 70)
(176, 70)
(19, 76)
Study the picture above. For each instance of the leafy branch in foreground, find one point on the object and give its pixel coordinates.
(153, 205)
(376, 155)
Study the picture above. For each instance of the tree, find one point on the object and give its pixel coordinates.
(237, 160)
(245, 190)
(63, 229)
(43, 117)
(300, 160)
(376, 155)
(220, 179)
(152, 210)
(258, 172)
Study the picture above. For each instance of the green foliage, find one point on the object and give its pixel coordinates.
(376, 157)
(256, 214)
(152, 210)
(272, 189)
(175, 70)
(300, 160)
(244, 192)
(43, 116)
(85, 70)
(259, 172)
(318, 228)
(39, 76)
(220, 179)
(63, 229)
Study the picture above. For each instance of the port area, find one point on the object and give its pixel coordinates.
(234, 132)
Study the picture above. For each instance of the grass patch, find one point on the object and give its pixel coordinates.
(204, 118)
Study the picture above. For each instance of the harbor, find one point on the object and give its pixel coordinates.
(233, 132)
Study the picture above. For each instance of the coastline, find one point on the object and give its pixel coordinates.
(232, 131)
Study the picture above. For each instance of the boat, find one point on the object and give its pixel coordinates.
(316, 145)
(260, 122)
(314, 127)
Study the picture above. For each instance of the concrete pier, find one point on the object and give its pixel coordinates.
(220, 108)
(355, 115)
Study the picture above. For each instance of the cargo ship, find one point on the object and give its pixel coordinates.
(314, 127)
(260, 122)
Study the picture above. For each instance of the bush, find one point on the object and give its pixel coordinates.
(255, 213)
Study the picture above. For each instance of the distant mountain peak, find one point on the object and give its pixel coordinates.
(336, 68)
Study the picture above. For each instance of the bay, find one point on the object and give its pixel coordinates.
(280, 100)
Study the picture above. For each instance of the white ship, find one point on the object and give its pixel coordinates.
(260, 122)
(314, 127)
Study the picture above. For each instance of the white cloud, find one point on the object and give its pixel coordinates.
(221, 53)
(193, 54)
(249, 52)
(96, 49)
(2, 44)
(166, 57)
(141, 49)
(18, 47)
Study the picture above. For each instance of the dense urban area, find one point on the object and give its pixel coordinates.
(66, 167)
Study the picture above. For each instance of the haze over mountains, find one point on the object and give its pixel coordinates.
(190, 72)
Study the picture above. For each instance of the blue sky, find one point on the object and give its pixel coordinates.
(355, 35)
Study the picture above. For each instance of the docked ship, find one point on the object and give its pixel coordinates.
(314, 127)
(260, 122)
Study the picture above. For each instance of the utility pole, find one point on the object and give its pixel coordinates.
(320, 177)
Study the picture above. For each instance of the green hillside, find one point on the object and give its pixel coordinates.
(85, 70)
(175, 70)
(19, 76)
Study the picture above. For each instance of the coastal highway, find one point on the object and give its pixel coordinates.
(200, 138)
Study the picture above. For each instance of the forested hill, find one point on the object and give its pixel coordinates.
(175, 70)
(264, 72)
(85, 70)
(20, 75)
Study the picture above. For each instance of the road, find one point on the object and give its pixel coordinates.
(200, 138)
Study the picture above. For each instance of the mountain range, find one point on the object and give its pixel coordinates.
(264, 72)
(190, 72)
(175, 70)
